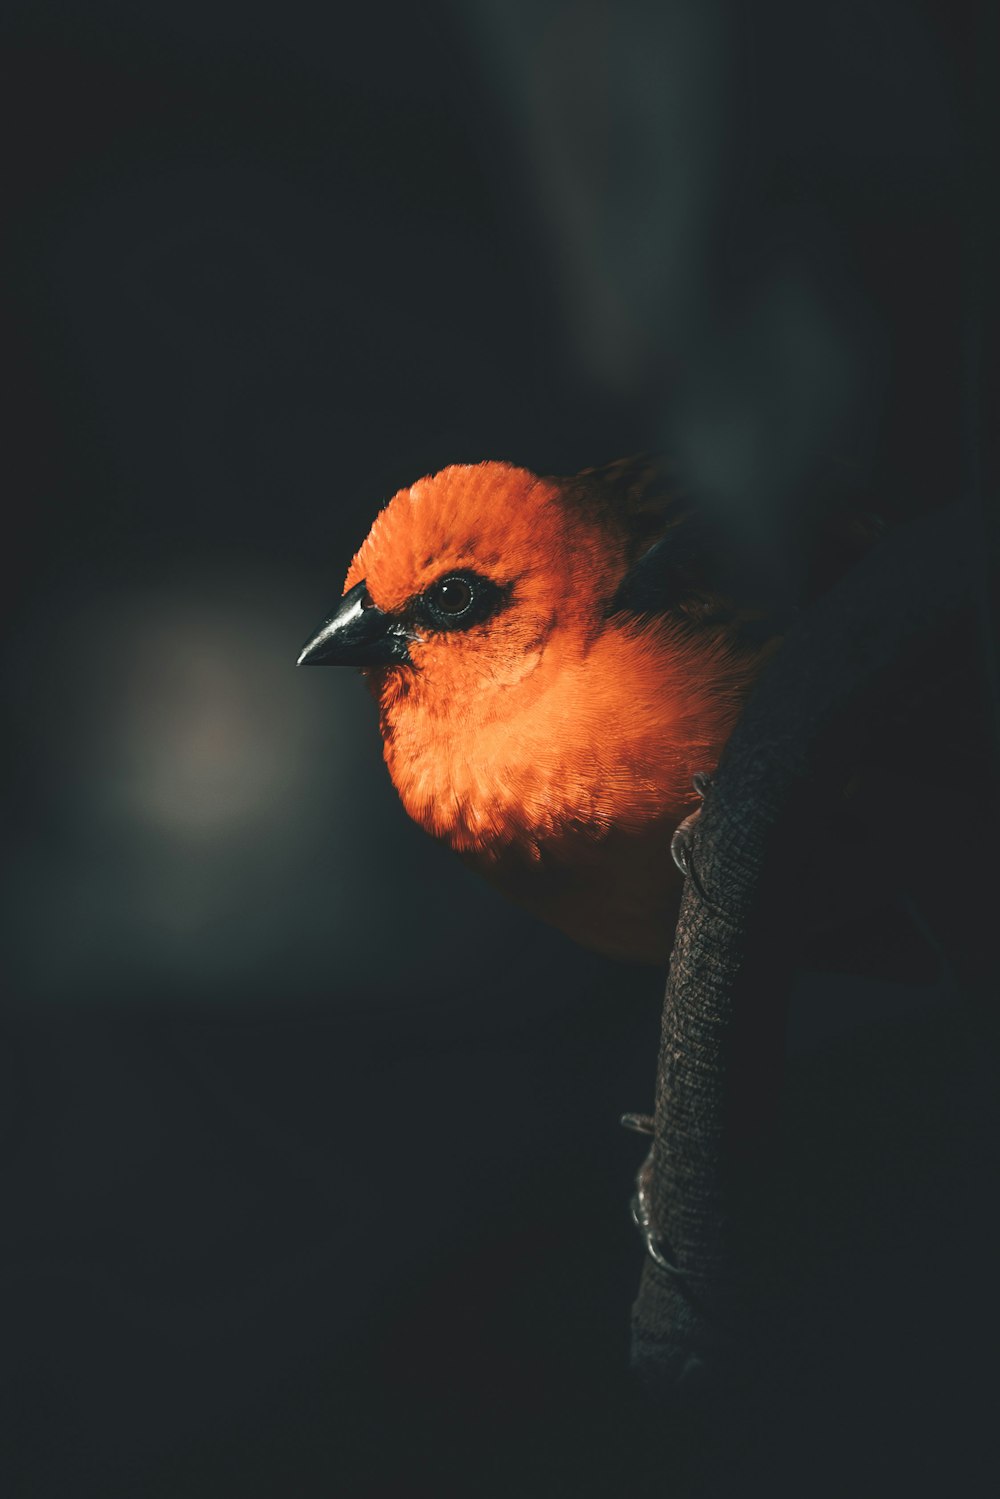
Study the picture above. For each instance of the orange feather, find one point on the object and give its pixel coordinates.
(553, 744)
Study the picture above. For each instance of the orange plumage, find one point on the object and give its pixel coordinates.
(538, 719)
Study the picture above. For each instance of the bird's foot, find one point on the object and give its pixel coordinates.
(642, 1211)
(642, 1216)
(682, 841)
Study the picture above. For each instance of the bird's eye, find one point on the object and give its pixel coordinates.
(452, 596)
(459, 600)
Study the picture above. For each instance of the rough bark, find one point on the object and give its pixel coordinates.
(848, 664)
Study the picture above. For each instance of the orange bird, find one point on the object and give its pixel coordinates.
(554, 661)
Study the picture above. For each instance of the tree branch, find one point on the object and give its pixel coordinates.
(851, 661)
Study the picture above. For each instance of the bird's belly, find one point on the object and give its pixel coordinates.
(618, 895)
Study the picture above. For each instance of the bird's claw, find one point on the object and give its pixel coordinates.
(682, 842)
(642, 1209)
(642, 1217)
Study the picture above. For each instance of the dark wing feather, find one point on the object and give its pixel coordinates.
(682, 562)
(678, 560)
(643, 498)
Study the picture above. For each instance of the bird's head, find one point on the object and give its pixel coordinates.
(462, 584)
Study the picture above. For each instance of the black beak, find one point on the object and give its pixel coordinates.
(359, 634)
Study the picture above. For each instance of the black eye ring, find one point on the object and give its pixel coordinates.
(460, 600)
(452, 596)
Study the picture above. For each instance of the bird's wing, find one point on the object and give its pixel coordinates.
(678, 563)
(641, 496)
(683, 562)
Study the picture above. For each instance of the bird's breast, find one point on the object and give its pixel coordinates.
(566, 799)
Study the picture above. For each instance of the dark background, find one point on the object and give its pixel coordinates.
(310, 1165)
